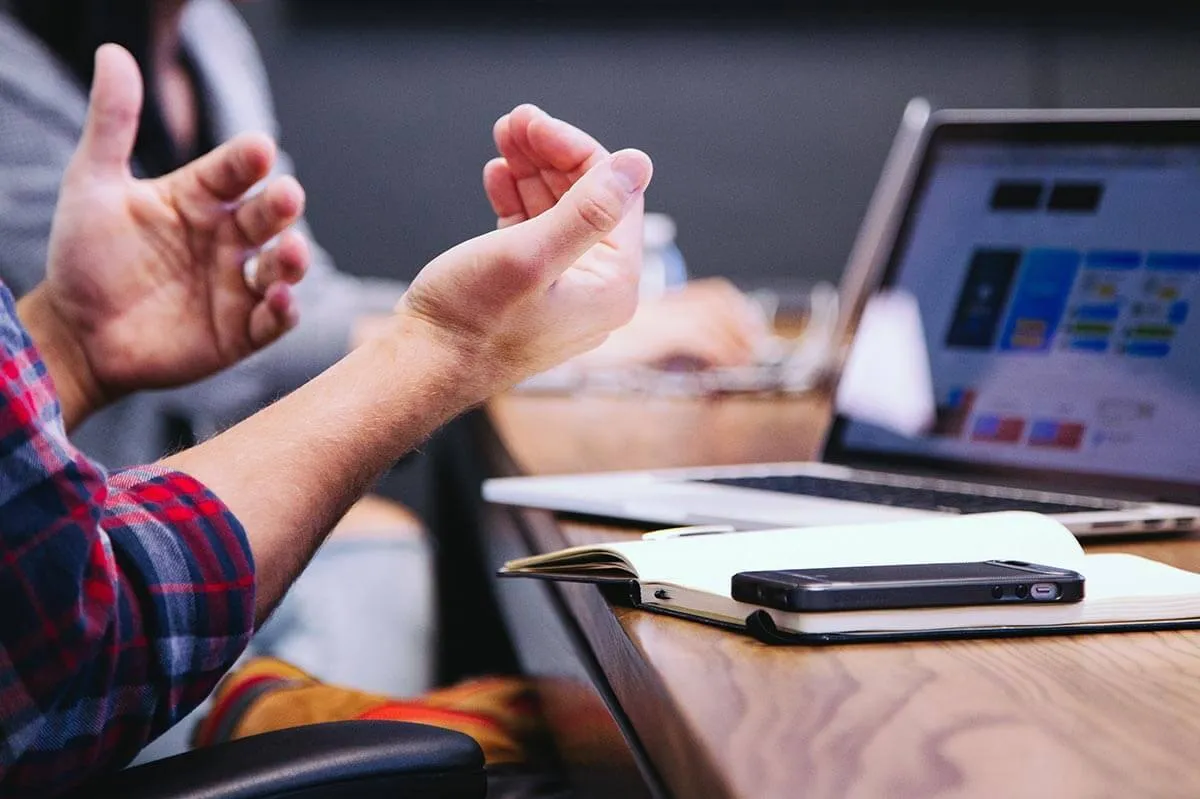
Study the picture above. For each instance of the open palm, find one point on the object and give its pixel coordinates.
(149, 273)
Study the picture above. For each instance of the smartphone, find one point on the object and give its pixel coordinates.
(918, 585)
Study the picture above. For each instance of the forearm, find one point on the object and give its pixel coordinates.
(78, 394)
(289, 472)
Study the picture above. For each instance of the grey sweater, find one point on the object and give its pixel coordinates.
(42, 109)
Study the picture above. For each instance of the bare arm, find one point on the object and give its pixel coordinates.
(479, 318)
(145, 288)
(290, 471)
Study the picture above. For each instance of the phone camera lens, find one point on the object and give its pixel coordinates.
(1022, 591)
(997, 592)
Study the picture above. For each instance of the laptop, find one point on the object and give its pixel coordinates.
(1053, 257)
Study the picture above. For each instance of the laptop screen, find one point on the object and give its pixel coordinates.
(1056, 266)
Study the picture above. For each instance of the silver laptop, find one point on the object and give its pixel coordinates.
(1054, 257)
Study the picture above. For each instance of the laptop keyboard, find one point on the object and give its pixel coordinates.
(918, 498)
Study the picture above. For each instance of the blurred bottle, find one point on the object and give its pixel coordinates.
(663, 266)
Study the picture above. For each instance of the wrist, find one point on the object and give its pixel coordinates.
(79, 392)
(413, 348)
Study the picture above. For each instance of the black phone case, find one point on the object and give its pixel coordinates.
(761, 626)
(793, 597)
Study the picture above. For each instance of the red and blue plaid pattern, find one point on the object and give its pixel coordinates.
(123, 597)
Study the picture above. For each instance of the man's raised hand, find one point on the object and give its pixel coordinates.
(146, 284)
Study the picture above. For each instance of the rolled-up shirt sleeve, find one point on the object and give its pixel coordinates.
(123, 597)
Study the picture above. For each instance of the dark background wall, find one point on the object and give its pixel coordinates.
(768, 130)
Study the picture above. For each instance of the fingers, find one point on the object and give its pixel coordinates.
(590, 211)
(545, 156)
(501, 189)
(223, 175)
(271, 211)
(278, 268)
(542, 142)
(286, 262)
(500, 267)
(114, 107)
(506, 145)
(273, 315)
(510, 134)
(557, 145)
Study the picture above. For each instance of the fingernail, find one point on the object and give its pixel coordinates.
(632, 169)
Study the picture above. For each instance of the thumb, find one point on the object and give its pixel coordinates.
(113, 111)
(588, 212)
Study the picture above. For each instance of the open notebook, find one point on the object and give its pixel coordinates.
(690, 575)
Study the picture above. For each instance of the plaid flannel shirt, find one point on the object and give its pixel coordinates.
(123, 597)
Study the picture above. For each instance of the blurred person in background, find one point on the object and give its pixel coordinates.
(362, 615)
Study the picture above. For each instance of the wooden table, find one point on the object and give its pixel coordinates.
(659, 706)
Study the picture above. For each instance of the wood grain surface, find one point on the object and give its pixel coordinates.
(722, 715)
